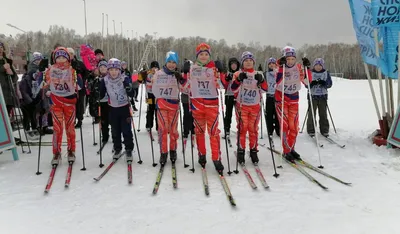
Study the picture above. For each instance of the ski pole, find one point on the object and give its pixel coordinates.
(94, 138)
(313, 115)
(282, 111)
(83, 151)
(40, 147)
(134, 132)
(183, 143)
(305, 119)
(276, 175)
(140, 107)
(226, 141)
(262, 135)
(333, 124)
(100, 140)
(18, 107)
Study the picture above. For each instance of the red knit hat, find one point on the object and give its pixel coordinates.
(203, 47)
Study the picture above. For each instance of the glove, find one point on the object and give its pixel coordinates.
(220, 66)
(313, 83)
(322, 82)
(282, 61)
(242, 76)
(229, 77)
(178, 76)
(259, 78)
(306, 62)
(186, 67)
(44, 63)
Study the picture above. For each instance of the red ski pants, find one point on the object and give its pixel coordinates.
(205, 117)
(63, 113)
(168, 125)
(290, 124)
(248, 118)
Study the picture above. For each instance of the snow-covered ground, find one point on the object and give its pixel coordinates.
(292, 204)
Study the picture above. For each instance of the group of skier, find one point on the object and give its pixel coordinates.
(196, 87)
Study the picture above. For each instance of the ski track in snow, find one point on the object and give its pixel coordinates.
(292, 205)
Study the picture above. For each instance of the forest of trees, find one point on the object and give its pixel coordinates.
(339, 57)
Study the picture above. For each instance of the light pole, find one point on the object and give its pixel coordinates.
(102, 31)
(108, 40)
(115, 41)
(155, 45)
(28, 48)
(84, 5)
(122, 42)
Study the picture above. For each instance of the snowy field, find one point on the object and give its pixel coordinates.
(292, 204)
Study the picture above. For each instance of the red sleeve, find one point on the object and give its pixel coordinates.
(264, 86)
(279, 75)
(224, 82)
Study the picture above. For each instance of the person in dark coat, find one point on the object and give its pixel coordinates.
(8, 79)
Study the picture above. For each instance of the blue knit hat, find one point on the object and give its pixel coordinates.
(114, 63)
(271, 60)
(319, 61)
(102, 63)
(171, 56)
(247, 55)
(36, 56)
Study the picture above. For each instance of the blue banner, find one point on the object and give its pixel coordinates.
(391, 50)
(385, 12)
(362, 23)
(6, 137)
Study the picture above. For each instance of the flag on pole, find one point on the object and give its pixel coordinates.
(385, 13)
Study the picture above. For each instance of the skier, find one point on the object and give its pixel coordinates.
(230, 101)
(145, 78)
(293, 74)
(247, 86)
(271, 117)
(62, 81)
(94, 99)
(203, 82)
(321, 82)
(166, 85)
(118, 87)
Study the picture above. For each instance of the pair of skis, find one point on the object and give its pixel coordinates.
(224, 186)
(299, 164)
(159, 177)
(115, 160)
(330, 140)
(250, 178)
(53, 173)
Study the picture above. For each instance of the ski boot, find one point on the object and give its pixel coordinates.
(56, 159)
(289, 156)
(129, 157)
(47, 131)
(218, 166)
(78, 125)
(202, 161)
(71, 156)
(117, 154)
(311, 134)
(325, 135)
(295, 155)
(240, 156)
(254, 156)
(163, 158)
(172, 155)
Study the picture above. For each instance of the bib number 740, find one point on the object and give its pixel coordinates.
(250, 93)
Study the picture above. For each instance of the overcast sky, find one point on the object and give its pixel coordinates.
(273, 22)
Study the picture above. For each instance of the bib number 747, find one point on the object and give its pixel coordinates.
(165, 91)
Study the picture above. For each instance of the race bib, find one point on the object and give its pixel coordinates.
(116, 92)
(35, 88)
(203, 82)
(165, 86)
(249, 93)
(292, 81)
(62, 82)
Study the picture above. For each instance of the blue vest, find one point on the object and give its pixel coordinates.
(319, 90)
(271, 81)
